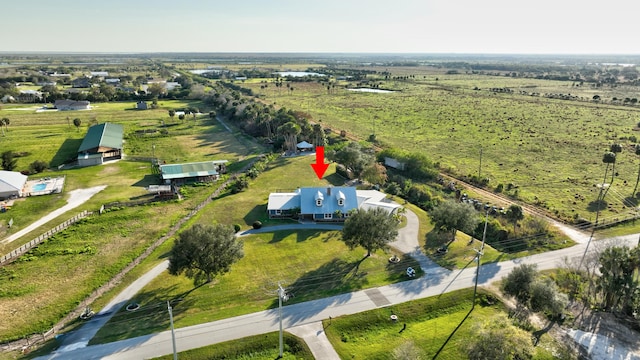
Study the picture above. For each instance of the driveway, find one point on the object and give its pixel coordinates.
(76, 198)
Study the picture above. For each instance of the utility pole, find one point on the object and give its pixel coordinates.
(281, 296)
(480, 166)
(479, 254)
(173, 334)
(593, 229)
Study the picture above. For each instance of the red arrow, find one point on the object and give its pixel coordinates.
(320, 167)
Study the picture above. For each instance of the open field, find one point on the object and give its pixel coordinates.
(549, 150)
(190, 140)
(50, 281)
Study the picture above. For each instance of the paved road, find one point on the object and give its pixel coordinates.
(80, 338)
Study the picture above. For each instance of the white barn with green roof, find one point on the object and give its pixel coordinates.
(203, 171)
(103, 142)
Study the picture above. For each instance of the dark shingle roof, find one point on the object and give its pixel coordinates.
(102, 135)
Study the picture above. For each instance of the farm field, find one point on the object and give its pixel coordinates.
(548, 152)
(191, 140)
(47, 283)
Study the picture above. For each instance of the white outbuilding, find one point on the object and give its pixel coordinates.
(11, 184)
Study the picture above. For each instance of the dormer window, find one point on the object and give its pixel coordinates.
(319, 197)
(341, 197)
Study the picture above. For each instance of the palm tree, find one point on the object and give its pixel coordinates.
(635, 188)
(77, 122)
(2, 124)
(607, 158)
(290, 131)
(266, 120)
(515, 214)
(318, 135)
(615, 149)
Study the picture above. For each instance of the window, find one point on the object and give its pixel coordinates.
(278, 212)
(328, 216)
(341, 197)
(319, 197)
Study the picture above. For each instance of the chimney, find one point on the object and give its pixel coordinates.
(328, 191)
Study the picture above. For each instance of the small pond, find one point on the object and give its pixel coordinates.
(298, 73)
(369, 90)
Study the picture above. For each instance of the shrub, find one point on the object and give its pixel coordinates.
(257, 224)
(236, 227)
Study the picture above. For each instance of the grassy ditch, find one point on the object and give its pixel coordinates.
(259, 347)
(439, 325)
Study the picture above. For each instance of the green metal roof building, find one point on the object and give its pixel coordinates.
(103, 142)
(197, 171)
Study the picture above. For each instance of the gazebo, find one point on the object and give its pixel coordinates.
(304, 146)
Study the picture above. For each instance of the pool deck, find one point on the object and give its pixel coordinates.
(51, 186)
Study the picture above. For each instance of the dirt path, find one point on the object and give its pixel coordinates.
(76, 198)
(575, 234)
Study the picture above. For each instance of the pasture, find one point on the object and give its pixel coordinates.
(50, 281)
(548, 152)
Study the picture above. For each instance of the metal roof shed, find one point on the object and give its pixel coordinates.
(102, 138)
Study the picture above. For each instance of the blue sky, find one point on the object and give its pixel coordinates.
(400, 26)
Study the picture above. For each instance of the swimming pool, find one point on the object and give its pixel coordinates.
(39, 187)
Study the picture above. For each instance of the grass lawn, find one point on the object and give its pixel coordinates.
(250, 205)
(429, 324)
(259, 347)
(312, 264)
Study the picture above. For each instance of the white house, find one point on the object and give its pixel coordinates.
(11, 184)
(8, 99)
(99, 73)
(72, 105)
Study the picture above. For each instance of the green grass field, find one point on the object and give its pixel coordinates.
(549, 150)
(259, 347)
(47, 283)
(429, 324)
